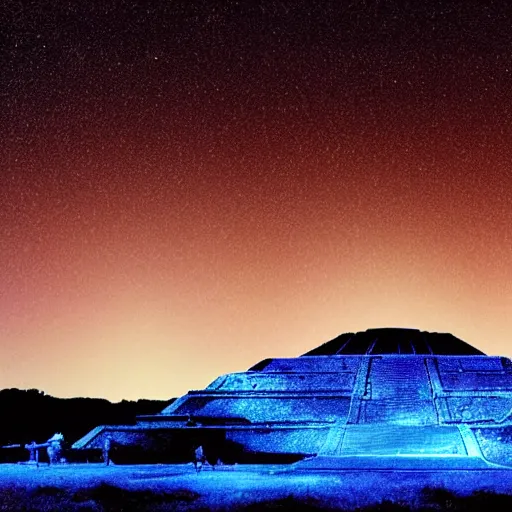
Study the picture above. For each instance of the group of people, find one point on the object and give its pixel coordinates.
(54, 450)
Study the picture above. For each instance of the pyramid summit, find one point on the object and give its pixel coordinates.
(394, 340)
(381, 397)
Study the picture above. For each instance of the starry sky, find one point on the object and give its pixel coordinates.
(188, 187)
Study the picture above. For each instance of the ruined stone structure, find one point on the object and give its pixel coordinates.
(384, 397)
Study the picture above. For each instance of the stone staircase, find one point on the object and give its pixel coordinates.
(401, 440)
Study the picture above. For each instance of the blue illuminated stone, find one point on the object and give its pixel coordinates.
(380, 398)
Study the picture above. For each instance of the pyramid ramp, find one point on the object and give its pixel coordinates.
(381, 440)
(394, 463)
(398, 447)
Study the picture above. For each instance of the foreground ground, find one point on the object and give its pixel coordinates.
(91, 487)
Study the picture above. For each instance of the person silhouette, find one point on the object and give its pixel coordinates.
(54, 448)
(107, 445)
(199, 458)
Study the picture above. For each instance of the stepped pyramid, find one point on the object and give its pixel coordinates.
(380, 398)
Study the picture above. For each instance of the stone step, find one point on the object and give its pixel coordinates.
(404, 411)
(392, 463)
(401, 440)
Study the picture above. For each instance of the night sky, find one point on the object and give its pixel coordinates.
(189, 187)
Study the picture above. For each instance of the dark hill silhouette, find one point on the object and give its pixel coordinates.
(31, 415)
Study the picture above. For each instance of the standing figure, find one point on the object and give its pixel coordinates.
(199, 458)
(54, 448)
(107, 444)
(34, 453)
